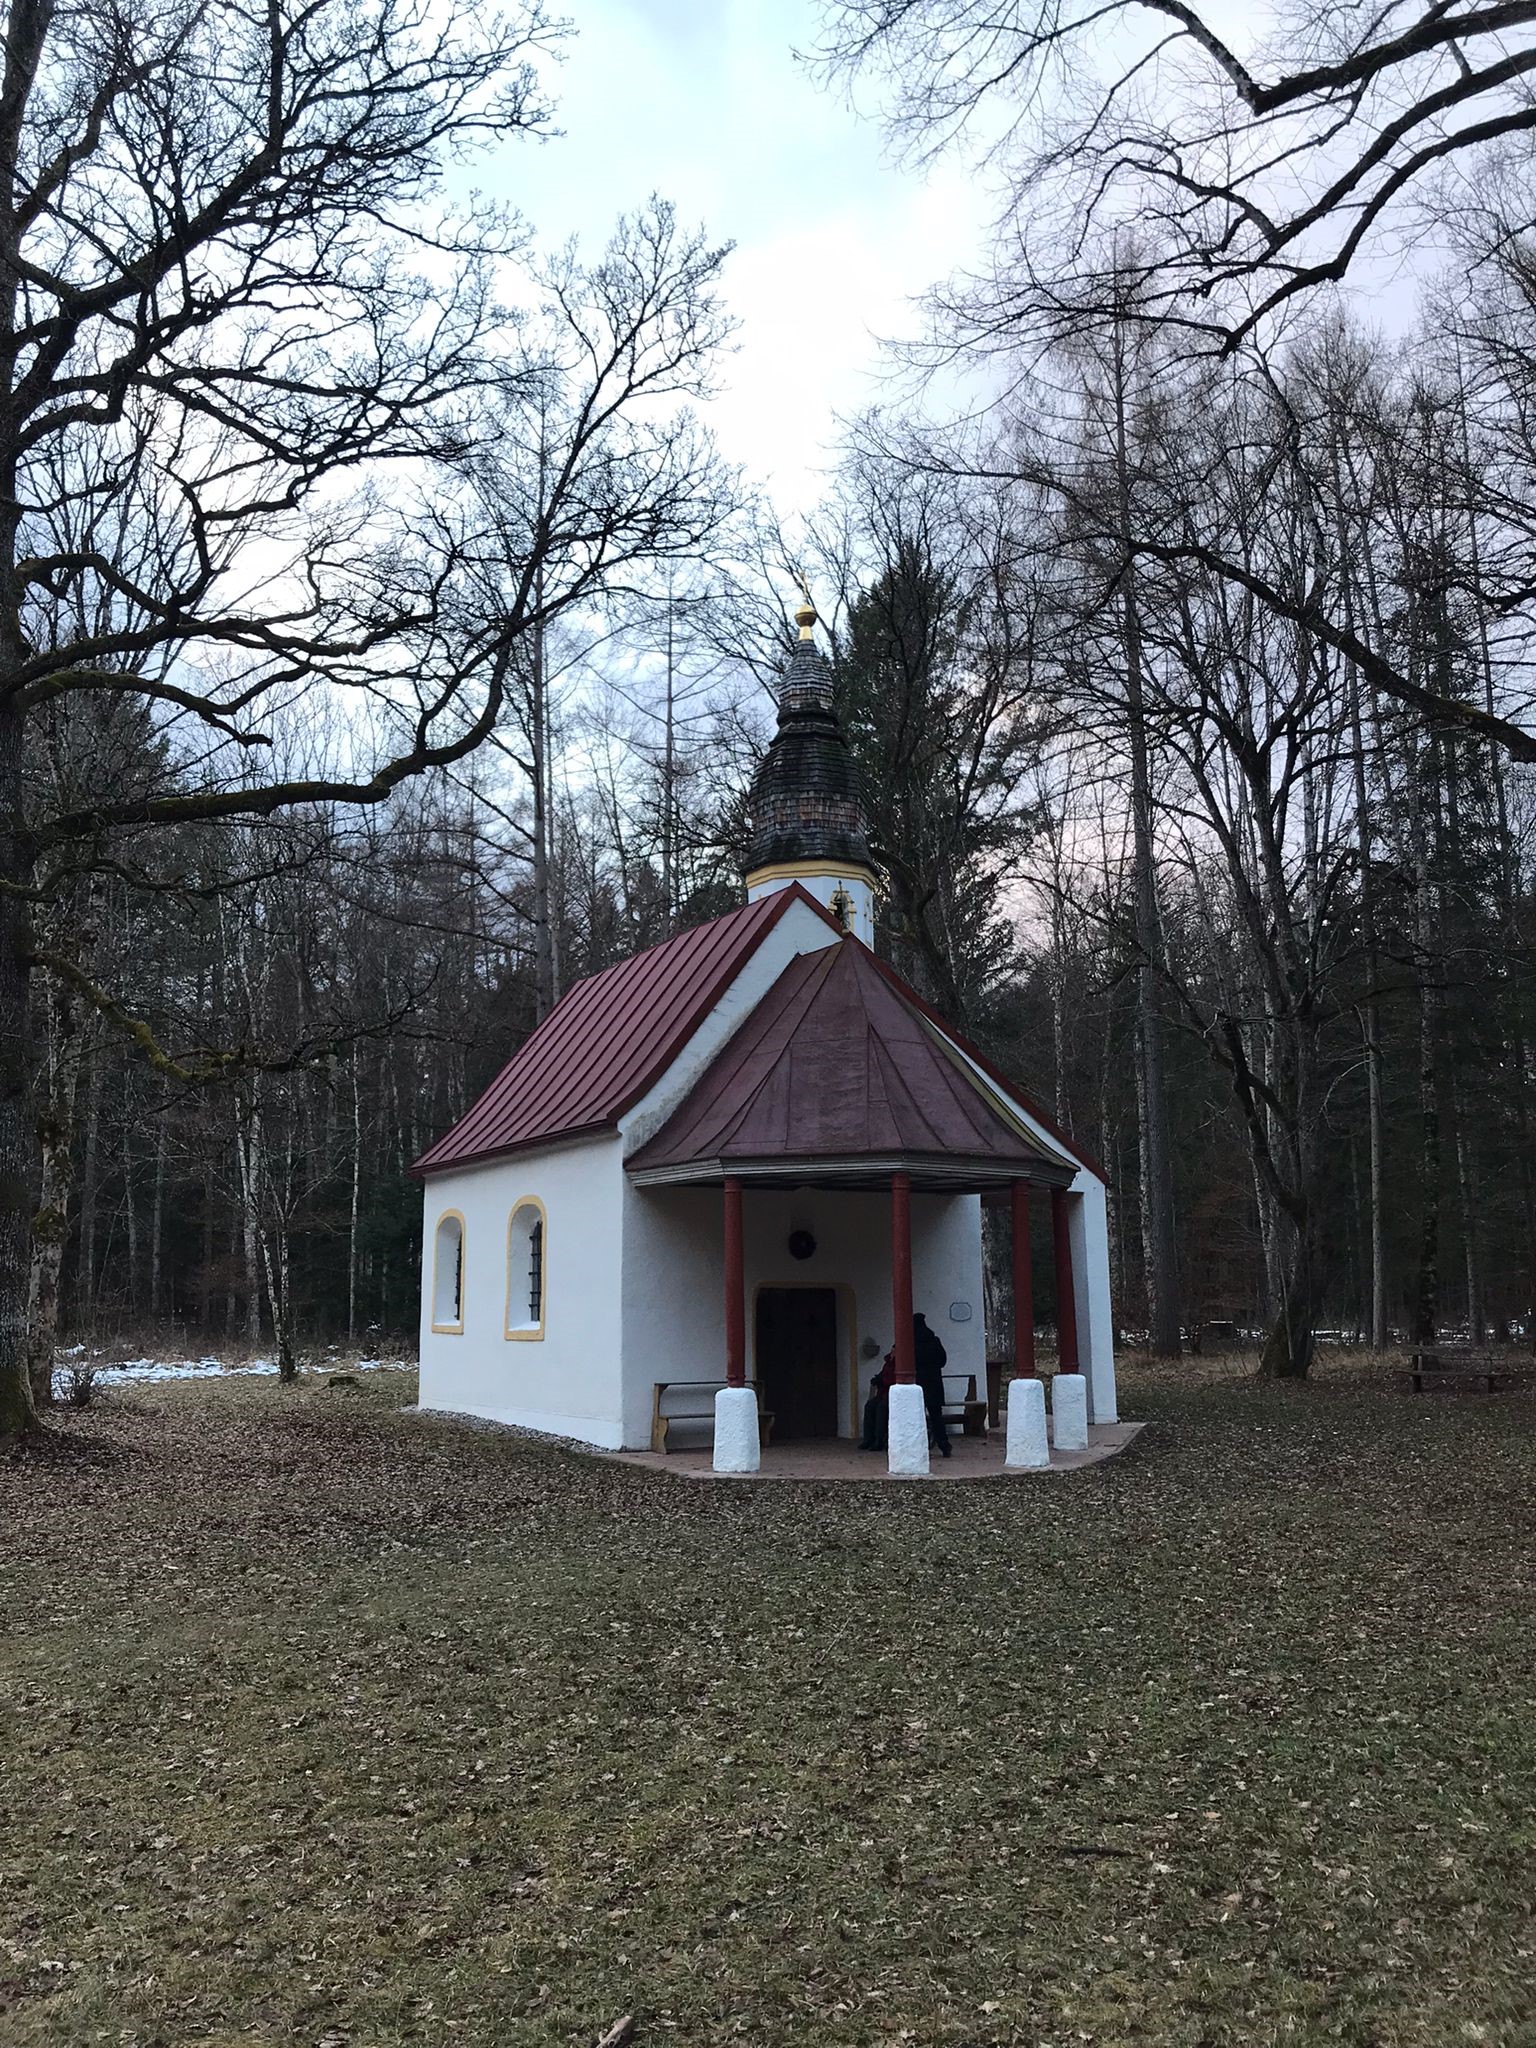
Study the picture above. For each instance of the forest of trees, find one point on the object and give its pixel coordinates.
(1188, 678)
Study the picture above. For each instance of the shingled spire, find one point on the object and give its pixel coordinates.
(806, 809)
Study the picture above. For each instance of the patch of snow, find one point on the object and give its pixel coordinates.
(148, 1369)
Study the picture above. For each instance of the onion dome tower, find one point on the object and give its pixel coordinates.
(806, 810)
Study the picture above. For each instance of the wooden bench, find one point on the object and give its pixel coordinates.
(965, 1411)
(701, 1393)
(1216, 1335)
(1451, 1372)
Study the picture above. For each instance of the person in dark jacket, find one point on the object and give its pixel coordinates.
(929, 1359)
(877, 1409)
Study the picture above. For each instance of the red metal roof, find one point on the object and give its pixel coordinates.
(610, 1038)
(837, 1065)
(1025, 1101)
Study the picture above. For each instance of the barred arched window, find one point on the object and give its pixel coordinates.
(527, 1268)
(448, 1275)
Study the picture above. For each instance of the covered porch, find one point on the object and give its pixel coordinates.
(819, 1277)
(838, 1152)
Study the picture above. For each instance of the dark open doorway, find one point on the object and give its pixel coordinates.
(797, 1359)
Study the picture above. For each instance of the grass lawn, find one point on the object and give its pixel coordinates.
(332, 1725)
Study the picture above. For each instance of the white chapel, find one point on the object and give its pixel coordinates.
(721, 1175)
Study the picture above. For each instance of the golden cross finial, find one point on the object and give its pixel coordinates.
(805, 614)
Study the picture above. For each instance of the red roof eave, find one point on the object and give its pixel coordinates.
(424, 1167)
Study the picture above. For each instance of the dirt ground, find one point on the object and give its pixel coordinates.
(336, 1725)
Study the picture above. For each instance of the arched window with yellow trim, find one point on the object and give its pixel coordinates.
(527, 1268)
(448, 1275)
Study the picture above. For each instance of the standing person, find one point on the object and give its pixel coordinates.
(928, 1361)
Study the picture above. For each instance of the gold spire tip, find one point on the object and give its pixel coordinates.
(805, 614)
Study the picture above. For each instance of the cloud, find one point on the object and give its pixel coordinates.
(706, 105)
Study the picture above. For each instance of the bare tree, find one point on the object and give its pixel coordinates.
(224, 253)
(1249, 181)
(1118, 416)
(1255, 176)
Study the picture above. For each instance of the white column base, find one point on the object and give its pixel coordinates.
(907, 1432)
(1028, 1447)
(738, 1443)
(1069, 1412)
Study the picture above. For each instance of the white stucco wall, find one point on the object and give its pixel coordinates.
(674, 1282)
(567, 1381)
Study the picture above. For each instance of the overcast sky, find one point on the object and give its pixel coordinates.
(703, 102)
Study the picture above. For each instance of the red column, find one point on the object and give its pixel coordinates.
(735, 1291)
(1066, 1299)
(1023, 1286)
(901, 1274)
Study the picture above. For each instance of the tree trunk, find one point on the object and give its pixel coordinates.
(275, 1272)
(543, 936)
(205, 1277)
(17, 1130)
(1158, 1233)
(669, 780)
(1427, 968)
(50, 1228)
(280, 1289)
(237, 1247)
(352, 1214)
(1289, 1347)
(1467, 1186)
(1378, 1303)
(1370, 1023)
(130, 1216)
(996, 1282)
(157, 1213)
(90, 1188)
(1059, 1006)
(1160, 1251)
(251, 1168)
(1426, 1310)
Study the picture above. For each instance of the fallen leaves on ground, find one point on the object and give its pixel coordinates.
(338, 1725)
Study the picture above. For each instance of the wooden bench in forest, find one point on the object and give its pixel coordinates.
(699, 1406)
(1448, 1371)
